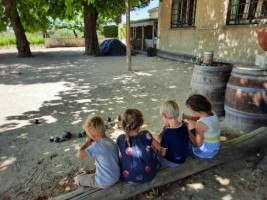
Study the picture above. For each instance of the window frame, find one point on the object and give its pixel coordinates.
(185, 16)
(246, 12)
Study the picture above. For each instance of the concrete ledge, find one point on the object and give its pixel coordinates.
(261, 61)
(177, 56)
(64, 42)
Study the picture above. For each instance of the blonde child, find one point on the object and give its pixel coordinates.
(105, 152)
(139, 162)
(204, 128)
(174, 138)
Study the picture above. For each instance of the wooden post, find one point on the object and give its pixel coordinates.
(143, 38)
(153, 35)
(128, 35)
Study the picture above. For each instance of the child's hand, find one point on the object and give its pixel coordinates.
(89, 139)
(186, 123)
(165, 126)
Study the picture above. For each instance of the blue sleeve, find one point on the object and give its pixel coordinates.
(92, 150)
(164, 140)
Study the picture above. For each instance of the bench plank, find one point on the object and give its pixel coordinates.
(230, 150)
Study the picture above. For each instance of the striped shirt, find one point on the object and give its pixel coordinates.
(211, 139)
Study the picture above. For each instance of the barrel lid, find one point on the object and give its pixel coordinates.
(251, 69)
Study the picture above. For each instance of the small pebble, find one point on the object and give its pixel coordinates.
(19, 73)
(36, 121)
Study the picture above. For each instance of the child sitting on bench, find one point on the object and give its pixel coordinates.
(105, 152)
(204, 128)
(174, 138)
(139, 162)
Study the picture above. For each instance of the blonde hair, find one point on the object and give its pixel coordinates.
(131, 120)
(170, 109)
(94, 126)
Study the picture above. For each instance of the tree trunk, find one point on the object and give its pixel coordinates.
(23, 45)
(90, 35)
(46, 34)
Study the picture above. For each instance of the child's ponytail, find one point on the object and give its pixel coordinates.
(131, 120)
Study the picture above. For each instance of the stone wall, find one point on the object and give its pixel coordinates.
(67, 42)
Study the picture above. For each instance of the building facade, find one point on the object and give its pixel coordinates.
(227, 27)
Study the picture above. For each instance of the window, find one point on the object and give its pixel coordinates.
(247, 12)
(183, 13)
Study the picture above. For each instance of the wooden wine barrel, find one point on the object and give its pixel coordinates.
(211, 81)
(246, 98)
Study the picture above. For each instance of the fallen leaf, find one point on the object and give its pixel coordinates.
(251, 187)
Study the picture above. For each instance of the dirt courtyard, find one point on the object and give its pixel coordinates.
(61, 87)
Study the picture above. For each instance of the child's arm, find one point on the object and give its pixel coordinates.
(188, 117)
(200, 129)
(157, 145)
(82, 153)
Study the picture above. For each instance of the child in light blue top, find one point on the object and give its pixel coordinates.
(105, 152)
(205, 143)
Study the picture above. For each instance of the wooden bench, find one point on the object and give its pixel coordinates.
(230, 150)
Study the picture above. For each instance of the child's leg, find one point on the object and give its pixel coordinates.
(87, 180)
(167, 163)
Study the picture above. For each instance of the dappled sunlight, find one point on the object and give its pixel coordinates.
(76, 146)
(76, 89)
(227, 197)
(84, 100)
(25, 98)
(114, 134)
(6, 163)
(22, 136)
(143, 74)
(196, 186)
(48, 119)
(222, 181)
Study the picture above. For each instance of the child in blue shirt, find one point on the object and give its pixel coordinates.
(174, 138)
(105, 152)
(139, 162)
